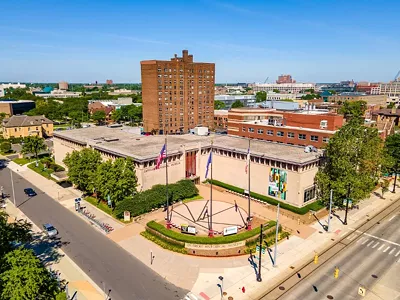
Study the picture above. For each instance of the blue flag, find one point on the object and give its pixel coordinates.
(209, 163)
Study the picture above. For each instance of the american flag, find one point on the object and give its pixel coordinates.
(247, 160)
(209, 162)
(161, 156)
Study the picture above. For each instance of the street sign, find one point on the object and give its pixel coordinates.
(362, 291)
(263, 250)
(257, 248)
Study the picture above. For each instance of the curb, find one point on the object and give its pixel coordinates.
(108, 216)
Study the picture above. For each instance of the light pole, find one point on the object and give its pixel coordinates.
(222, 285)
(259, 279)
(330, 211)
(276, 235)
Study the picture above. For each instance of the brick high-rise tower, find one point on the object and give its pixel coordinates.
(178, 94)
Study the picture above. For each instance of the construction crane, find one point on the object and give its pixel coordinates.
(397, 77)
(268, 78)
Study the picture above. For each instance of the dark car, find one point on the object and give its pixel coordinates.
(30, 192)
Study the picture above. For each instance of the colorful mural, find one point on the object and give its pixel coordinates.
(277, 183)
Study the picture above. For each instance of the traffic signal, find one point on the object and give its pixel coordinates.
(336, 273)
(263, 250)
(315, 258)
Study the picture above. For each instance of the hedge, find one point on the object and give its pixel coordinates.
(163, 243)
(298, 210)
(155, 197)
(206, 240)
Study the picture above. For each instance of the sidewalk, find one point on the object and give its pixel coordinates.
(77, 280)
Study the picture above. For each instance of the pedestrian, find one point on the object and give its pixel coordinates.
(236, 207)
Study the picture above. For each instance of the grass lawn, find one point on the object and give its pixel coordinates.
(198, 197)
(40, 169)
(23, 161)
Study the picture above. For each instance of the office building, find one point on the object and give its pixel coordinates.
(63, 85)
(228, 100)
(4, 86)
(221, 119)
(368, 88)
(58, 94)
(338, 87)
(391, 89)
(109, 81)
(285, 79)
(23, 126)
(178, 94)
(283, 172)
(353, 96)
(14, 107)
(293, 88)
(303, 127)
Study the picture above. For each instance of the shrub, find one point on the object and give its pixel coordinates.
(155, 198)
(297, 210)
(5, 147)
(206, 240)
(163, 242)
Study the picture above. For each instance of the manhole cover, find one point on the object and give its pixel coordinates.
(329, 297)
(374, 276)
(282, 288)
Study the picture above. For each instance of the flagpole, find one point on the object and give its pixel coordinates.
(166, 182)
(211, 231)
(248, 216)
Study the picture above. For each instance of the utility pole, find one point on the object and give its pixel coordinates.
(330, 211)
(395, 179)
(259, 279)
(166, 183)
(276, 235)
(347, 206)
(210, 229)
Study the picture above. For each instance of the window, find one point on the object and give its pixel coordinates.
(290, 134)
(325, 139)
(310, 193)
(314, 138)
(260, 131)
(302, 136)
(323, 124)
(270, 132)
(251, 129)
(280, 133)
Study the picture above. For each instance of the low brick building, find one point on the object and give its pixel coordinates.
(23, 126)
(99, 106)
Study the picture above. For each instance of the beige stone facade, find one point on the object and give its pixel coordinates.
(282, 172)
(23, 126)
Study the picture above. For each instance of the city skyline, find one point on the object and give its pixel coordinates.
(95, 41)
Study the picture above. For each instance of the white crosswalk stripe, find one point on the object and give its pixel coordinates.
(386, 249)
(397, 254)
(391, 251)
(381, 247)
(376, 244)
(364, 241)
(370, 243)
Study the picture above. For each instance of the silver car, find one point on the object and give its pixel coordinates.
(50, 230)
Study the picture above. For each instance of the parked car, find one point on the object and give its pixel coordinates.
(50, 230)
(30, 192)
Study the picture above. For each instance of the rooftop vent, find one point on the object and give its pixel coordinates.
(111, 139)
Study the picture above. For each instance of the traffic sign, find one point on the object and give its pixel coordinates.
(362, 291)
(257, 248)
(263, 250)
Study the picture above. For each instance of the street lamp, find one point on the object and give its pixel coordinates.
(222, 285)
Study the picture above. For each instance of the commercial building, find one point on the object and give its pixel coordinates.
(391, 89)
(178, 94)
(293, 88)
(228, 100)
(58, 94)
(368, 88)
(63, 85)
(285, 79)
(279, 105)
(370, 99)
(23, 126)
(109, 81)
(338, 87)
(221, 119)
(303, 127)
(5, 86)
(14, 107)
(123, 92)
(283, 172)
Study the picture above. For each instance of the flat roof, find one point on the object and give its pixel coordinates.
(120, 142)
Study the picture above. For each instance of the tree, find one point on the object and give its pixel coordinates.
(218, 104)
(261, 96)
(33, 145)
(384, 186)
(392, 148)
(391, 105)
(5, 147)
(2, 117)
(116, 179)
(99, 116)
(276, 91)
(351, 164)
(310, 96)
(354, 110)
(82, 166)
(24, 277)
(237, 104)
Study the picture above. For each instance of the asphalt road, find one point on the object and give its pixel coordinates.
(363, 263)
(102, 259)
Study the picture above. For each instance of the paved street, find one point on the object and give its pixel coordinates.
(363, 263)
(95, 254)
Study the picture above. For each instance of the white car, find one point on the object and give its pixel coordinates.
(50, 230)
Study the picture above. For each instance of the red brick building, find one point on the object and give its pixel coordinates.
(303, 128)
(178, 94)
(221, 119)
(95, 106)
(285, 79)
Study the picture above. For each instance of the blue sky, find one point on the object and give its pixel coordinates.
(87, 40)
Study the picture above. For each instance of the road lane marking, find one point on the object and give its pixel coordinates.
(392, 218)
(376, 245)
(386, 249)
(394, 249)
(397, 254)
(383, 245)
(364, 241)
(370, 243)
(351, 237)
(375, 237)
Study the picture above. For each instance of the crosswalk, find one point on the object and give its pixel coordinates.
(387, 247)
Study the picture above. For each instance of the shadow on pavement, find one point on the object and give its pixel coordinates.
(46, 248)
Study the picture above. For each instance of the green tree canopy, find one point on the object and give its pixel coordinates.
(82, 166)
(276, 91)
(237, 104)
(261, 96)
(99, 116)
(24, 277)
(117, 179)
(5, 147)
(352, 164)
(310, 96)
(218, 104)
(353, 110)
(33, 145)
(128, 113)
